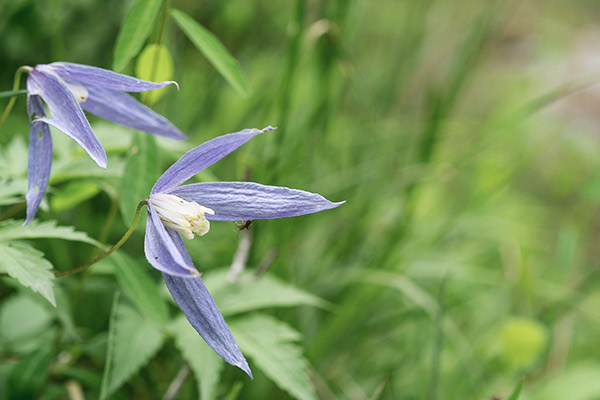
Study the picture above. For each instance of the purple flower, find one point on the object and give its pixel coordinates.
(185, 210)
(67, 88)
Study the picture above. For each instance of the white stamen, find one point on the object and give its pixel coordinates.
(185, 217)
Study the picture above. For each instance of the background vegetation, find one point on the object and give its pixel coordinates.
(464, 259)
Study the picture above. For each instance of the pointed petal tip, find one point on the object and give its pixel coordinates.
(102, 161)
(268, 128)
(338, 203)
(243, 365)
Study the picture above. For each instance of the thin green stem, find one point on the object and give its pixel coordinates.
(13, 99)
(12, 93)
(110, 219)
(112, 249)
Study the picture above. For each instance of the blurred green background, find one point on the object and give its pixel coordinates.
(464, 136)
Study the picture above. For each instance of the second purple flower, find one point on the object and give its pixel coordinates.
(67, 89)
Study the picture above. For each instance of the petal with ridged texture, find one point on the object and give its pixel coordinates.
(197, 304)
(202, 156)
(243, 201)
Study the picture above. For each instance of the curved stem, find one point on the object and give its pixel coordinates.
(13, 99)
(112, 249)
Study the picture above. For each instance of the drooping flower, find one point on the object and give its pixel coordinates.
(186, 210)
(67, 88)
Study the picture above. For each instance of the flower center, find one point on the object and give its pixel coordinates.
(80, 93)
(185, 217)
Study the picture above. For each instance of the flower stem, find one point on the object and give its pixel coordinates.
(12, 93)
(15, 92)
(136, 218)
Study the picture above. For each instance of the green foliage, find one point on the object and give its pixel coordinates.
(516, 391)
(28, 266)
(205, 363)
(210, 46)
(135, 340)
(141, 171)
(250, 293)
(13, 230)
(27, 377)
(138, 287)
(464, 259)
(154, 64)
(523, 340)
(20, 334)
(270, 344)
(73, 194)
(134, 32)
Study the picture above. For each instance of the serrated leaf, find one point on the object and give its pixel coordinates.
(13, 230)
(140, 174)
(154, 64)
(249, 293)
(27, 377)
(136, 29)
(213, 50)
(136, 339)
(205, 363)
(139, 287)
(29, 267)
(73, 194)
(269, 343)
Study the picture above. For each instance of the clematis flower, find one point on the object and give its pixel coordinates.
(175, 211)
(67, 88)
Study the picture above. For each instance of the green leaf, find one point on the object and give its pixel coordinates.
(28, 376)
(12, 191)
(249, 293)
(136, 339)
(83, 168)
(235, 391)
(579, 382)
(516, 391)
(140, 174)
(29, 267)
(213, 50)
(136, 29)
(110, 345)
(12, 230)
(205, 363)
(139, 287)
(270, 344)
(15, 328)
(154, 64)
(72, 195)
